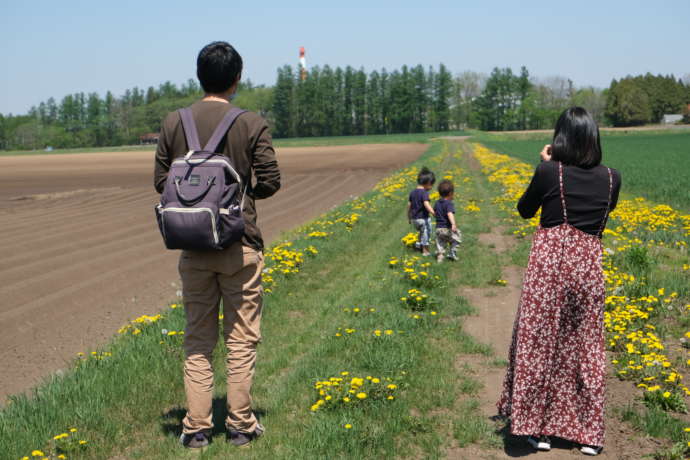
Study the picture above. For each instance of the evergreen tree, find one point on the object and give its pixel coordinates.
(359, 108)
(523, 89)
(374, 122)
(348, 106)
(442, 91)
(283, 102)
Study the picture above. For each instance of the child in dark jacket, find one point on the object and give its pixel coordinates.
(447, 233)
(419, 208)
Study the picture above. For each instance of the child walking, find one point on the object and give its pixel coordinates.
(419, 208)
(447, 233)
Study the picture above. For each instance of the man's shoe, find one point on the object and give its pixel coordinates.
(241, 439)
(195, 440)
(540, 443)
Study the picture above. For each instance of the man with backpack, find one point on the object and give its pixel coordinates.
(229, 267)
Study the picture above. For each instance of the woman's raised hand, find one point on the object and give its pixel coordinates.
(546, 153)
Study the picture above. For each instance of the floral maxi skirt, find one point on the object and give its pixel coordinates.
(554, 385)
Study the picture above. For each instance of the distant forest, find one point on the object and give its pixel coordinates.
(336, 101)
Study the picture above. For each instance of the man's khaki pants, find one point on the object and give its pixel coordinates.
(233, 275)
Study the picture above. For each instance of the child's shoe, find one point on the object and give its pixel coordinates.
(453, 257)
(439, 258)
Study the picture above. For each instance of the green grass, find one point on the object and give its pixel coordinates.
(655, 165)
(368, 139)
(278, 143)
(131, 404)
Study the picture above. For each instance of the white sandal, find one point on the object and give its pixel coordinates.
(542, 443)
(591, 450)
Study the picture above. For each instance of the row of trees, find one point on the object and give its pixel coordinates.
(88, 120)
(333, 102)
(508, 101)
(645, 99)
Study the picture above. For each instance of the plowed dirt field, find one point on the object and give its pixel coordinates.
(81, 253)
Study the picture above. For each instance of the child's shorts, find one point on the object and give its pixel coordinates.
(447, 236)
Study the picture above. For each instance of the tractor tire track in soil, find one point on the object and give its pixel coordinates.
(492, 325)
(82, 254)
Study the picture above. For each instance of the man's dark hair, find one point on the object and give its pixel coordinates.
(426, 177)
(576, 139)
(445, 188)
(218, 67)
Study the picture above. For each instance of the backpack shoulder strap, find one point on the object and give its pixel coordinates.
(222, 128)
(189, 127)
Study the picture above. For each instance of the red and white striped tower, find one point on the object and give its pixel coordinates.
(302, 64)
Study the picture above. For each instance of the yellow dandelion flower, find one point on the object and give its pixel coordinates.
(361, 395)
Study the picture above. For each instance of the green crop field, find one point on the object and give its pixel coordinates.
(654, 165)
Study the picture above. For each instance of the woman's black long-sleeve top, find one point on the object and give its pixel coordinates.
(586, 196)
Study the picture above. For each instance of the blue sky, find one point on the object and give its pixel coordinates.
(54, 48)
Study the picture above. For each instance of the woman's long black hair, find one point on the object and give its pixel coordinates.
(576, 139)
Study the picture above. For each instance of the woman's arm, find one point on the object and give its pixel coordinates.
(617, 182)
(531, 200)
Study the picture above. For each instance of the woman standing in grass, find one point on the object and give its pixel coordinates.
(554, 385)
